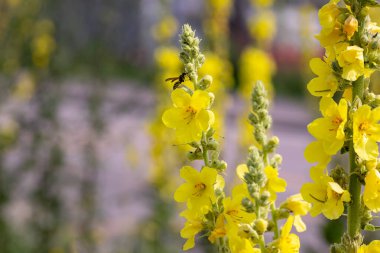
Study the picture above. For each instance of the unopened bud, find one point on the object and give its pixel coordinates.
(261, 226)
(205, 82)
(246, 231)
(264, 198)
(350, 26)
(272, 144)
(276, 161)
(248, 205)
(222, 166)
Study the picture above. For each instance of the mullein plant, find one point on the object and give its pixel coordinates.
(244, 221)
(349, 124)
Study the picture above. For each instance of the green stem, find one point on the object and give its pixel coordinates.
(274, 219)
(262, 243)
(353, 219)
(206, 158)
(222, 247)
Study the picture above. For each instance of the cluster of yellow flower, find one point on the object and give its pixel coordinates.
(351, 124)
(237, 223)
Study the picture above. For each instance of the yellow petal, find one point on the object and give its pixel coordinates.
(287, 226)
(200, 100)
(180, 98)
(183, 193)
(314, 152)
(319, 67)
(299, 224)
(333, 209)
(328, 107)
(190, 174)
(173, 118)
(241, 170)
(189, 244)
(322, 86)
(205, 119)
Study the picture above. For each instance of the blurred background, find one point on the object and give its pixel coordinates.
(85, 162)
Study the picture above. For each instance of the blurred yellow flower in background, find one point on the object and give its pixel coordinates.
(165, 29)
(263, 26)
(256, 65)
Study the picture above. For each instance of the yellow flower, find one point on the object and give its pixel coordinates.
(234, 211)
(190, 115)
(325, 84)
(330, 129)
(219, 230)
(274, 183)
(371, 195)
(198, 190)
(239, 244)
(314, 152)
(193, 225)
(288, 243)
(325, 195)
(373, 247)
(366, 132)
(299, 207)
(25, 87)
(351, 59)
(350, 26)
(331, 28)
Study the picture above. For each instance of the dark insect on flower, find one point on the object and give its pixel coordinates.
(179, 79)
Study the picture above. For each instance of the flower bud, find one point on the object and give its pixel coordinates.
(272, 144)
(276, 161)
(205, 82)
(248, 205)
(261, 226)
(212, 145)
(246, 231)
(196, 155)
(264, 198)
(222, 166)
(350, 26)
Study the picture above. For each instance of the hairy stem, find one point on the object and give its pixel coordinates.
(353, 219)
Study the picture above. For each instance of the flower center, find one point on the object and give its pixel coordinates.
(190, 114)
(234, 214)
(363, 126)
(199, 189)
(336, 122)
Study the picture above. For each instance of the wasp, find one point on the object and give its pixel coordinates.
(178, 80)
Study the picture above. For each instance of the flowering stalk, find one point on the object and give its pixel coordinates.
(351, 124)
